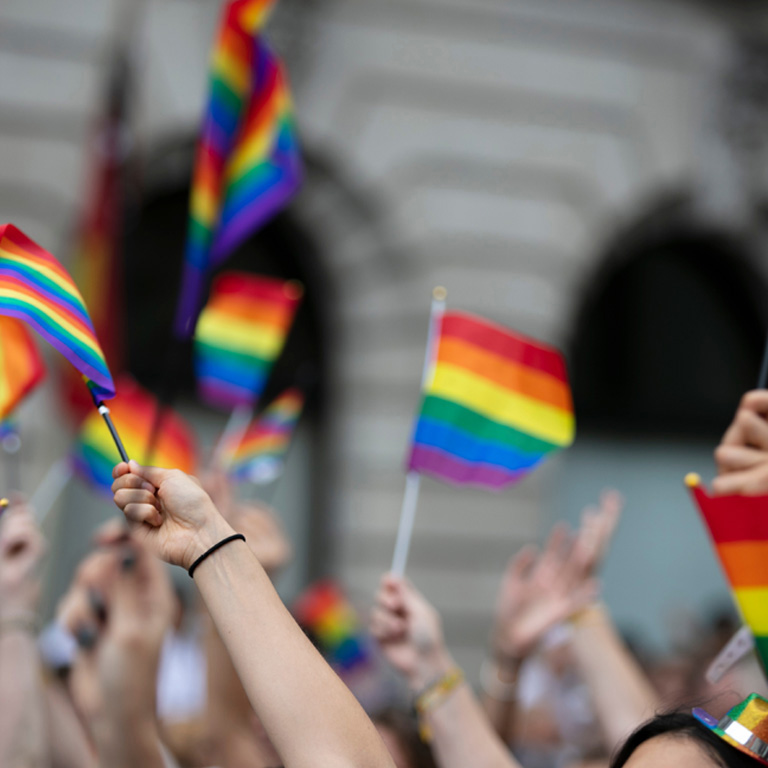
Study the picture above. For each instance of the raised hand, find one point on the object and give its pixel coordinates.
(742, 456)
(539, 591)
(168, 511)
(409, 632)
(119, 607)
(22, 549)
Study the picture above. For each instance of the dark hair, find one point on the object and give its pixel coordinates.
(685, 726)
(405, 727)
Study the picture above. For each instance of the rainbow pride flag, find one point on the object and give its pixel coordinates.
(35, 288)
(332, 624)
(738, 527)
(21, 366)
(260, 455)
(133, 412)
(494, 405)
(248, 164)
(240, 334)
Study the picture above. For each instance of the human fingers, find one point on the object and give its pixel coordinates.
(120, 469)
(140, 512)
(385, 626)
(751, 482)
(19, 535)
(154, 475)
(131, 480)
(111, 533)
(731, 458)
(749, 429)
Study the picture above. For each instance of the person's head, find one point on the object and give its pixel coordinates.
(679, 740)
(400, 734)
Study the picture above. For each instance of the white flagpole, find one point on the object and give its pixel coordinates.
(413, 479)
(51, 486)
(233, 433)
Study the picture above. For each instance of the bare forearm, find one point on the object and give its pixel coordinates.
(622, 694)
(70, 747)
(498, 697)
(461, 734)
(23, 735)
(311, 717)
(126, 744)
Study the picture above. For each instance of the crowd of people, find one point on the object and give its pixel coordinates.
(560, 686)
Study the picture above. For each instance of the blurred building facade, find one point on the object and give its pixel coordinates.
(505, 150)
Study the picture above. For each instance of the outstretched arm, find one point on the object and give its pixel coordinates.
(622, 694)
(311, 717)
(23, 731)
(410, 635)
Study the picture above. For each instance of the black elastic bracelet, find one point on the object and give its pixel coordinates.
(219, 545)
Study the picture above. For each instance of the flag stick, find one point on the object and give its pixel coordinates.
(50, 488)
(234, 431)
(763, 378)
(12, 448)
(104, 411)
(413, 479)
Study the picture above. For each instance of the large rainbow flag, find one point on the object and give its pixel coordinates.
(738, 527)
(21, 366)
(248, 164)
(35, 288)
(240, 334)
(495, 404)
(260, 454)
(133, 412)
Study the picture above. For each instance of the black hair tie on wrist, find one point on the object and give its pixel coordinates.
(219, 545)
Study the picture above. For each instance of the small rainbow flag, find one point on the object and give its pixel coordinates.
(738, 527)
(35, 288)
(260, 455)
(21, 366)
(248, 164)
(133, 412)
(495, 404)
(240, 334)
(332, 624)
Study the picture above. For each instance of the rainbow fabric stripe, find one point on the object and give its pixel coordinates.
(738, 527)
(133, 412)
(240, 334)
(260, 455)
(35, 288)
(332, 624)
(21, 366)
(495, 405)
(248, 164)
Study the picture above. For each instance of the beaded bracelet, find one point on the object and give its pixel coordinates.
(434, 695)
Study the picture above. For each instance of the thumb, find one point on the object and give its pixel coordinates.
(153, 475)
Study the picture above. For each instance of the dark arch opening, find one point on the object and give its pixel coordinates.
(670, 331)
(153, 248)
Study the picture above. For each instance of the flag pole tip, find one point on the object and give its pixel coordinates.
(439, 293)
(4, 503)
(692, 480)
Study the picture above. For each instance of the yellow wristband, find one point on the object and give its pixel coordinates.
(434, 695)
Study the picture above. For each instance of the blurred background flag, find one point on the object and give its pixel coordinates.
(738, 528)
(260, 455)
(97, 264)
(133, 412)
(331, 622)
(35, 288)
(247, 165)
(21, 366)
(240, 334)
(494, 405)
